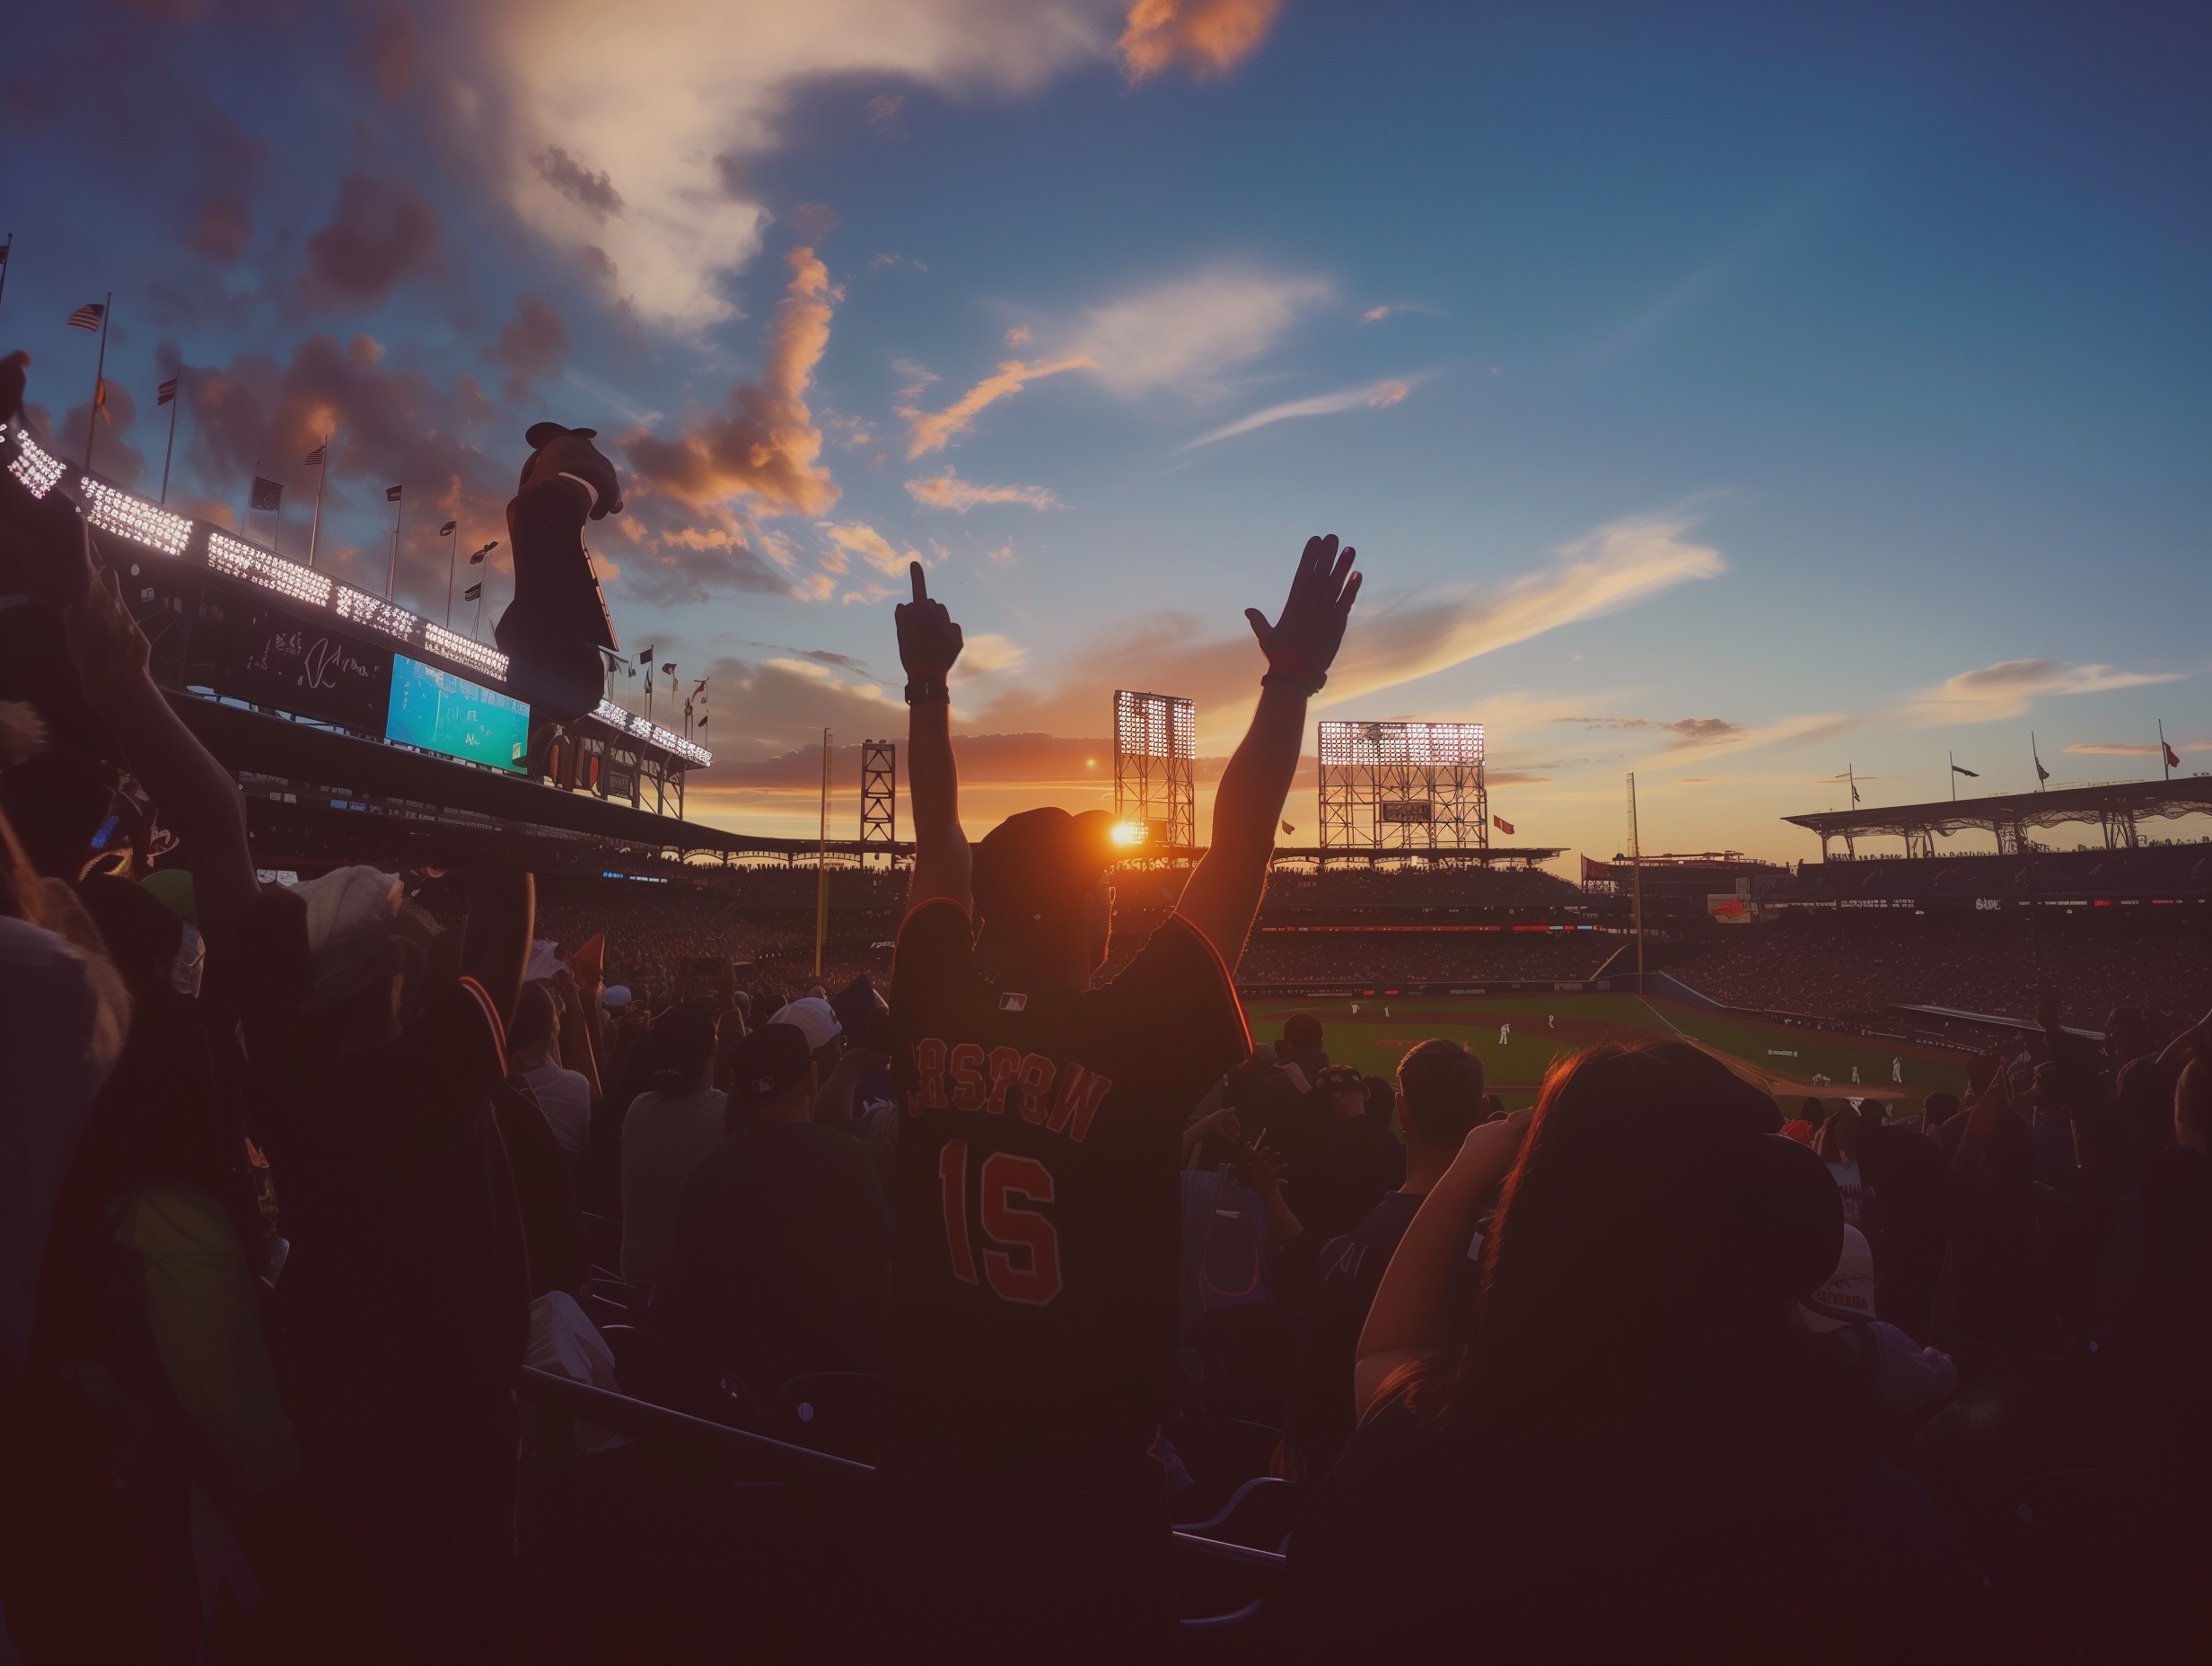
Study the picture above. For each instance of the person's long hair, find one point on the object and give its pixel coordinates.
(1618, 1284)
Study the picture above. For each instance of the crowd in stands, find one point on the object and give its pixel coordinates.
(1278, 957)
(1843, 966)
(1439, 884)
(306, 1189)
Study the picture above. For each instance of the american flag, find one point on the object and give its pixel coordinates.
(315, 459)
(473, 593)
(165, 392)
(447, 529)
(88, 316)
(391, 493)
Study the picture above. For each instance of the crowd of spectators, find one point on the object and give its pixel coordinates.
(298, 1178)
(1438, 884)
(1296, 957)
(1848, 966)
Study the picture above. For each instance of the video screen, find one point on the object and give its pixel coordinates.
(442, 713)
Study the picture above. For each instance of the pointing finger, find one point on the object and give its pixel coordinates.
(914, 571)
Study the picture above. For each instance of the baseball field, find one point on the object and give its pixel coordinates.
(1518, 1036)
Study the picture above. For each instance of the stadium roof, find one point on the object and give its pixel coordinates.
(2119, 807)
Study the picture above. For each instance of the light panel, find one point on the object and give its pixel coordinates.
(1413, 744)
(630, 724)
(440, 640)
(225, 553)
(1155, 725)
(111, 510)
(34, 468)
(377, 614)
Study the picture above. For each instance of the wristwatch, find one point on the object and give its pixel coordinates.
(921, 690)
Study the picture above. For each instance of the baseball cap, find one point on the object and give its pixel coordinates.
(1040, 861)
(855, 1006)
(1849, 1292)
(812, 1018)
(771, 1060)
(538, 432)
(351, 915)
(615, 997)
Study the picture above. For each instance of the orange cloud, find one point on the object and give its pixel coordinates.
(769, 448)
(949, 491)
(931, 431)
(1206, 39)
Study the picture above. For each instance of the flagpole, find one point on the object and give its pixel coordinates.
(170, 450)
(322, 473)
(1954, 762)
(1635, 870)
(245, 521)
(6, 259)
(452, 553)
(2162, 753)
(391, 572)
(98, 374)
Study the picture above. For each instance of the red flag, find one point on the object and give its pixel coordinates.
(1595, 870)
(2174, 760)
(1502, 824)
(1288, 829)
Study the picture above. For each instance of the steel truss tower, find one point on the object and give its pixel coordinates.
(1403, 786)
(878, 800)
(1155, 751)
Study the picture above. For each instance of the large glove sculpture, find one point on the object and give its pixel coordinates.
(553, 631)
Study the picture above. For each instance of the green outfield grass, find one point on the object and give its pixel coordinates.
(1546, 1026)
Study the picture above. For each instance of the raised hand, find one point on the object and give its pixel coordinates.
(929, 642)
(1302, 644)
(104, 640)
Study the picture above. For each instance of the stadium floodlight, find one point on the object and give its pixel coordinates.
(1155, 750)
(630, 724)
(38, 470)
(108, 510)
(225, 553)
(1403, 786)
(464, 649)
(394, 620)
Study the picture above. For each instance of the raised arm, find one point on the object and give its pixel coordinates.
(1224, 894)
(929, 643)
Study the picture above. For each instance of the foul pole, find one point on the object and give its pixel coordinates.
(1635, 880)
(821, 862)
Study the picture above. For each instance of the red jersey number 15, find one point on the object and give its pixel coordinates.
(1022, 1249)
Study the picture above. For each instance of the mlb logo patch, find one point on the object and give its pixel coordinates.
(1012, 1003)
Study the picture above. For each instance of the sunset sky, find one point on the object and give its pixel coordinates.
(1729, 394)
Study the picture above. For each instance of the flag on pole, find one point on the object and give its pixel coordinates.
(447, 529)
(100, 401)
(2042, 774)
(667, 670)
(1287, 828)
(646, 657)
(473, 593)
(1502, 824)
(1961, 769)
(315, 458)
(476, 560)
(165, 392)
(391, 493)
(2174, 758)
(88, 316)
(1595, 870)
(266, 494)
(3, 253)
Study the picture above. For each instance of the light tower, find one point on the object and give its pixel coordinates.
(878, 800)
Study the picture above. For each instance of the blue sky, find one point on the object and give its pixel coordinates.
(1724, 396)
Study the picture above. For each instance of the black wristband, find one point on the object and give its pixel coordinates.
(1288, 681)
(924, 690)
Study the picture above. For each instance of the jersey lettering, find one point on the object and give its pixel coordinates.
(1036, 1079)
(1005, 1066)
(1029, 1270)
(930, 1070)
(1081, 1090)
(968, 1076)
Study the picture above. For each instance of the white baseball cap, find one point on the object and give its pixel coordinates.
(811, 1016)
(1849, 1289)
(615, 997)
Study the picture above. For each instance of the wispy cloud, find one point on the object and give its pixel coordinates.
(1182, 334)
(932, 431)
(2125, 748)
(1992, 693)
(1371, 396)
(858, 537)
(949, 491)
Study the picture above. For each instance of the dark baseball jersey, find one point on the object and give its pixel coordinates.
(1035, 1255)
